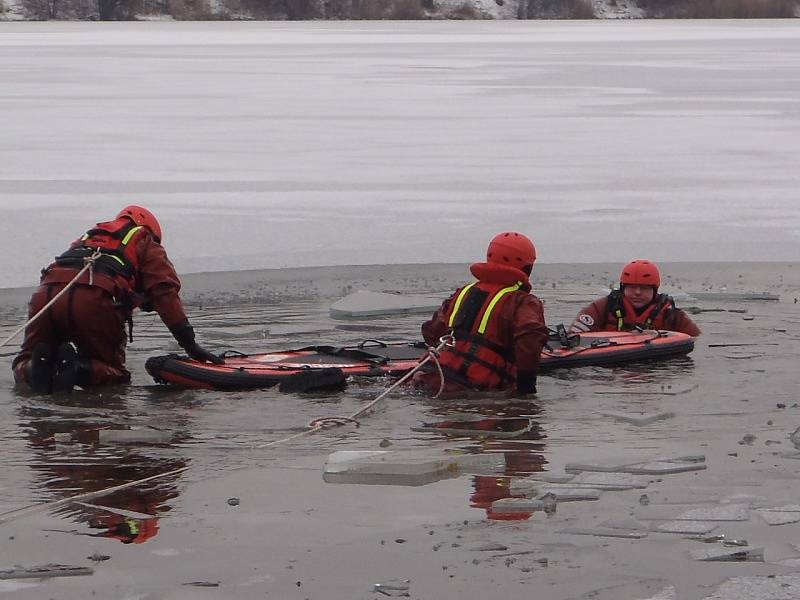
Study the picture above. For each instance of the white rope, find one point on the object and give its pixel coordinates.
(19, 513)
(315, 425)
(328, 422)
(88, 266)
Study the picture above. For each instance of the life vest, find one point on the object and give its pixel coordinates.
(623, 317)
(119, 260)
(478, 359)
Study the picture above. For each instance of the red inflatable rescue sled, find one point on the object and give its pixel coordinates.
(373, 359)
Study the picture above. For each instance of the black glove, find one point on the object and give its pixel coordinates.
(184, 334)
(141, 301)
(526, 382)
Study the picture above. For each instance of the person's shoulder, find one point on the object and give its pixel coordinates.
(529, 298)
(600, 303)
(147, 243)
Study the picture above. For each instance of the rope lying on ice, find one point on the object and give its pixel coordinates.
(89, 266)
(329, 422)
(314, 426)
(26, 511)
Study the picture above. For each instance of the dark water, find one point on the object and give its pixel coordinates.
(213, 432)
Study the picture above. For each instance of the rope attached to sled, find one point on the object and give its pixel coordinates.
(336, 421)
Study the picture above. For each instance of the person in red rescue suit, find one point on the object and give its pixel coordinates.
(497, 323)
(635, 305)
(132, 270)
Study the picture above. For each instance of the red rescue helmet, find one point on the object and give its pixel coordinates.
(142, 216)
(512, 249)
(640, 272)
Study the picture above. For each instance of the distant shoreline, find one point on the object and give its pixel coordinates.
(388, 10)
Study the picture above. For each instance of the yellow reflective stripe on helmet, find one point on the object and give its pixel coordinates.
(84, 237)
(457, 305)
(497, 297)
(130, 234)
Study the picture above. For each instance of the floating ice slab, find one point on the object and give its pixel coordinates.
(517, 505)
(668, 593)
(403, 468)
(749, 499)
(615, 533)
(729, 512)
(597, 467)
(639, 420)
(788, 562)
(778, 517)
(569, 494)
(524, 487)
(591, 483)
(489, 547)
(394, 587)
(610, 481)
(774, 587)
(365, 304)
(551, 477)
(45, 572)
(687, 527)
(729, 554)
(629, 524)
(663, 466)
(784, 508)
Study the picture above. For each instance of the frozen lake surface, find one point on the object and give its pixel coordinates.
(291, 144)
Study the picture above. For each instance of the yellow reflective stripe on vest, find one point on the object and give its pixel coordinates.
(130, 234)
(133, 526)
(458, 304)
(621, 322)
(497, 297)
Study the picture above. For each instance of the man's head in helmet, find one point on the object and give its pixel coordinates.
(639, 282)
(512, 250)
(142, 216)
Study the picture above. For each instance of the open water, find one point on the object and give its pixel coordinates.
(718, 395)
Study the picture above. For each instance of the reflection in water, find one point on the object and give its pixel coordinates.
(644, 372)
(225, 427)
(660, 373)
(509, 428)
(69, 460)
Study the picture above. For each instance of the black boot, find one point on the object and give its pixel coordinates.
(83, 372)
(64, 369)
(40, 369)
